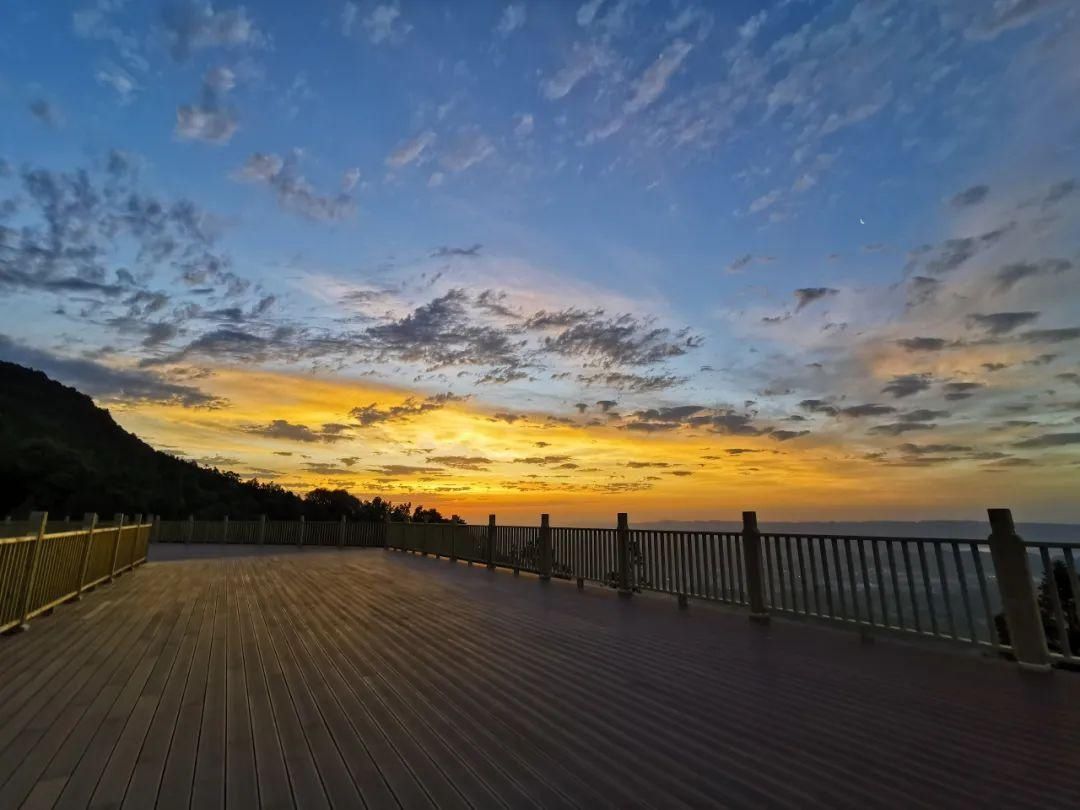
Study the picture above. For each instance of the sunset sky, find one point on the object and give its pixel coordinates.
(817, 259)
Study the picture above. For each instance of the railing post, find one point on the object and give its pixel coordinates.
(300, 539)
(545, 548)
(1018, 598)
(134, 542)
(341, 536)
(622, 555)
(453, 538)
(37, 522)
(491, 543)
(118, 519)
(262, 529)
(190, 529)
(755, 574)
(155, 530)
(89, 523)
(225, 529)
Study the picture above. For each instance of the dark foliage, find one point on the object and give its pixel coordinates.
(60, 452)
(1069, 610)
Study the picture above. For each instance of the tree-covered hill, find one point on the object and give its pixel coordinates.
(62, 453)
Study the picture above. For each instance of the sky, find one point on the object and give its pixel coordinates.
(676, 259)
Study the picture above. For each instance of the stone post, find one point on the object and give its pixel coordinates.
(1018, 595)
(622, 556)
(755, 572)
(545, 548)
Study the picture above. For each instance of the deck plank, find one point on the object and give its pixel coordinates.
(243, 677)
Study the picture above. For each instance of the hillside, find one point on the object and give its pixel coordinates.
(59, 451)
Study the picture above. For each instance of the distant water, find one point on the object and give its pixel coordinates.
(945, 529)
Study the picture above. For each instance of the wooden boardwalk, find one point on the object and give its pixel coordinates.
(245, 677)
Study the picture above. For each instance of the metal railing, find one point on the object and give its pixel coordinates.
(42, 569)
(999, 593)
(300, 532)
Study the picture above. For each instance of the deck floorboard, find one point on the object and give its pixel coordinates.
(235, 677)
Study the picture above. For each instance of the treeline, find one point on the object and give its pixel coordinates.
(60, 452)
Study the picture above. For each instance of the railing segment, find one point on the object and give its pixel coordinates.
(42, 569)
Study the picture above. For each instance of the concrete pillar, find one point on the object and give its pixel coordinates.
(545, 548)
(755, 571)
(622, 556)
(1018, 593)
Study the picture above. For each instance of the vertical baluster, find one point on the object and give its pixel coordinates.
(940, 558)
(909, 573)
(813, 575)
(825, 575)
(897, 602)
(1055, 602)
(867, 594)
(838, 567)
(33, 556)
(793, 593)
(802, 574)
(851, 579)
(921, 547)
(961, 575)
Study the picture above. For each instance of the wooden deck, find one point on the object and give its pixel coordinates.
(244, 677)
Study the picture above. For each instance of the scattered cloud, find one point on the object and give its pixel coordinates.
(971, 196)
(410, 151)
(210, 120)
(195, 25)
(292, 190)
(512, 18)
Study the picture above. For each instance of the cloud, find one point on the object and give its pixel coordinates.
(293, 192)
(542, 461)
(622, 340)
(450, 252)
(634, 383)
(120, 81)
(766, 201)
(470, 150)
(923, 344)
(1012, 274)
(819, 406)
(210, 120)
(808, 295)
(411, 150)
(513, 18)
(652, 83)
(738, 264)
(411, 408)
(583, 61)
(1051, 335)
(523, 125)
(105, 383)
(461, 462)
(1004, 15)
(385, 24)
(900, 428)
(191, 26)
(46, 112)
(1049, 440)
(294, 432)
(970, 196)
(869, 409)
(787, 435)
(905, 385)
(587, 12)
(955, 391)
(1001, 323)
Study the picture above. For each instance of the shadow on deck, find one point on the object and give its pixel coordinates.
(246, 676)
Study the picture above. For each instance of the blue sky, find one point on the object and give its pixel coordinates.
(735, 222)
